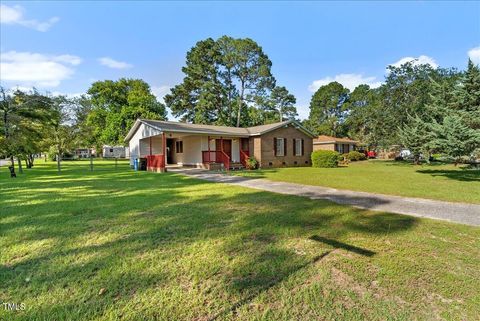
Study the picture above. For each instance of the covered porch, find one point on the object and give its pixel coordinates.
(212, 152)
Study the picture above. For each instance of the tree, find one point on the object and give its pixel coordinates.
(116, 105)
(201, 97)
(23, 116)
(327, 109)
(61, 132)
(361, 122)
(417, 135)
(223, 79)
(468, 94)
(282, 103)
(252, 69)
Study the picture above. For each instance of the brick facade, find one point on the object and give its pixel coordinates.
(264, 149)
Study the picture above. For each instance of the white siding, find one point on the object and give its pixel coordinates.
(138, 145)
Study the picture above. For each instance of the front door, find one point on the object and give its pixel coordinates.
(169, 150)
(227, 146)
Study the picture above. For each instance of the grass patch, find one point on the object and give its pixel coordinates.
(435, 181)
(117, 244)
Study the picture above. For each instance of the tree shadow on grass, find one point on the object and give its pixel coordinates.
(462, 174)
(148, 233)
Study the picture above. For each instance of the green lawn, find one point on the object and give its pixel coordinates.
(435, 181)
(124, 245)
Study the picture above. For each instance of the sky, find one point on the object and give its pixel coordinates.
(62, 47)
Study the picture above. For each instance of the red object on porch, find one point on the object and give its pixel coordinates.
(216, 156)
(244, 155)
(156, 163)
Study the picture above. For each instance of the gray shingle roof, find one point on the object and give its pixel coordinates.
(170, 126)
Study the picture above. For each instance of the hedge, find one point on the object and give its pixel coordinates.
(325, 158)
(355, 156)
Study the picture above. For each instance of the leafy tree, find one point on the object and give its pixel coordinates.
(201, 97)
(116, 105)
(251, 68)
(327, 109)
(223, 79)
(282, 103)
(363, 113)
(468, 94)
(22, 117)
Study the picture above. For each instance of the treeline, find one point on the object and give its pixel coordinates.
(33, 123)
(427, 110)
(229, 82)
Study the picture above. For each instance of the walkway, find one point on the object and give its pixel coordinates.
(455, 212)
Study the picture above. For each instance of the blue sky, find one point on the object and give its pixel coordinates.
(63, 47)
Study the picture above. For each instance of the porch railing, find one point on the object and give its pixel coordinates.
(155, 162)
(216, 156)
(244, 155)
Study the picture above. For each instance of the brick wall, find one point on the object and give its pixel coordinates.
(263, 148)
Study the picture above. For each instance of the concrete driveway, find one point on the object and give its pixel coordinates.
(455, 212)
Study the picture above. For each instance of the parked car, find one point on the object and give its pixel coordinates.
(371, 154)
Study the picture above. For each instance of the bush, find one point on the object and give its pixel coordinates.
(251, 163)
(325, 158)
(355, 156)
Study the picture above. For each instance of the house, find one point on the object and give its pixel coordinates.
(341, 145)
(164, 143)
(114, 151)
(84, 152)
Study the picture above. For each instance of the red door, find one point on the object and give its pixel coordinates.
(227, 146)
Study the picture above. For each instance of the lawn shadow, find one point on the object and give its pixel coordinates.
(462, 174)
(150, 215)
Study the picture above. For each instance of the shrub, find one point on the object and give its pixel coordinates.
(355, 156)
(325, 158)
(251, 163)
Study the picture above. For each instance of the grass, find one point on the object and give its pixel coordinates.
(124, 245)
(435, 181)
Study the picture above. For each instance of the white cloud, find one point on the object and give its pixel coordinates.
(12, 15)
(350, 81)
(474, 55)
(112, 63)
(34, 69)
(416, 61)
(160, 91)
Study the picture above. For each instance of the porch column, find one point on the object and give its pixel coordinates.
(150, 143)
(164, 152)
(208, 147)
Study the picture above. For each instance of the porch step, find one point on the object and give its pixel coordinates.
(236, 166)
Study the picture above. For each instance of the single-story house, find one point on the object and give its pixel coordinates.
(341, 145)
(114, 151)
(163, 143)
(84, 152)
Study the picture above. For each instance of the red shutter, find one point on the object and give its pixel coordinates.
(303, 150)
(275, 146)
(294, 146)
(284, 147)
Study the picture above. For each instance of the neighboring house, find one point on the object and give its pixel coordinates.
(341, 145)
(84, 152)
(115, 151)
(162, 143)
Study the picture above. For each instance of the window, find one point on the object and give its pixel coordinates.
(339, 148)
(179, 146)
(111, 150)
(298, 147)
(280, 146)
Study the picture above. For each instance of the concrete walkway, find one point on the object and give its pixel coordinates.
(455, 212)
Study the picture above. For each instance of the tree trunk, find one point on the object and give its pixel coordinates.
(59, 157)
(20, 168)
(240, 103)
(12, 161)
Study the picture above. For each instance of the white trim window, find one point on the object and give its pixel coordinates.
(298, 146)
(279, 146)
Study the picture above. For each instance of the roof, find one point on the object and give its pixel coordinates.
(170, 126)
(324, 139)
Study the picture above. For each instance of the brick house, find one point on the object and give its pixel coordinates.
(164, 143)
(341, 145)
